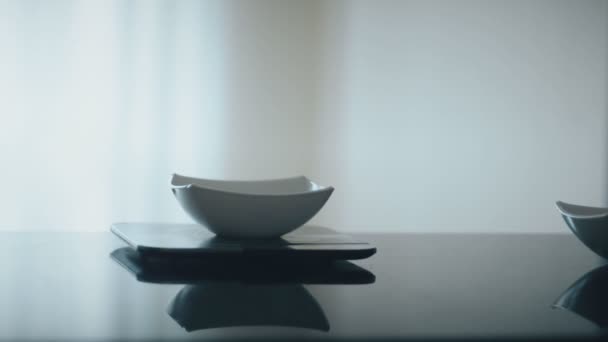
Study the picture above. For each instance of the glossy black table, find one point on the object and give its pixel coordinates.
(67, 287)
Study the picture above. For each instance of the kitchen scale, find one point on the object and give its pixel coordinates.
(188, 253)
(307, 243)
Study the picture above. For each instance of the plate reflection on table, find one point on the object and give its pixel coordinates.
(588, 297)
(231, 292)
(188, 270)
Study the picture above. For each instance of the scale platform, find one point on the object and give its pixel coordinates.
(307, 243)
(245, 271)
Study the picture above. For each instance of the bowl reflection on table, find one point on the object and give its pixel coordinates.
(242, 292)
(588, 297)
(250, 209)
(589, 224)
(216, 305)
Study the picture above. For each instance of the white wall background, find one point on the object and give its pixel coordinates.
(463, 115)
(425, 115)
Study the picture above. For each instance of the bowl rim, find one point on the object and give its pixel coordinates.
(320, 188)
(562, 207)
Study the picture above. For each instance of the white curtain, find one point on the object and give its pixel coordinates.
(102, 100)
(425, 115)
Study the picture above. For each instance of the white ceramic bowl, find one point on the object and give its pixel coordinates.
(250, 209)
(589, 224)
